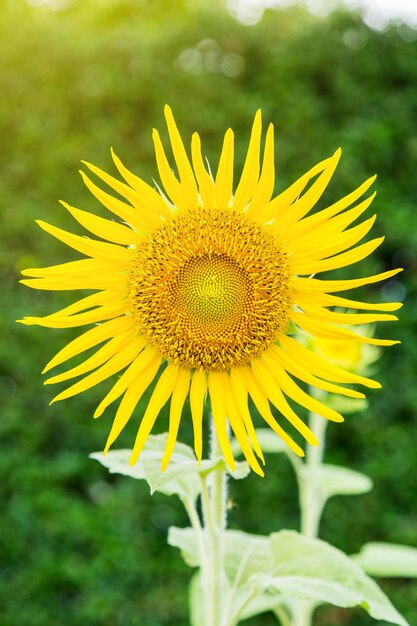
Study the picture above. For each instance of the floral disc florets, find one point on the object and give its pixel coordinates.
(211, 289)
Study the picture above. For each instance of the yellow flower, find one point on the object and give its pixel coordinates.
(198, 288)
(347, 353)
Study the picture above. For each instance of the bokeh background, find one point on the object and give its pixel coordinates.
(78, 546)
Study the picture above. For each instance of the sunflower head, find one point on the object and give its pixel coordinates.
(210, 289)
(199, 287)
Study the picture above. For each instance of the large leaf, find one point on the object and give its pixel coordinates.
(260, 603)
(310, 569)
(243, 553)
(183, 475)
(335, 480)
(264, 572)
(244, 556)
(185, 540)
(388, 559)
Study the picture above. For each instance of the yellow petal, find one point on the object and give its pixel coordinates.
(319, 313)
(224, 176)
(148, 216)
(89, 339)
(299, 370)
(261, 402)
(98, 358)
(250, 172)
(319, 366)
(96, 299)
(89, 247)
(324, 247)
(123, 415)
(116, 281)
(279, 205)
(270, 386)
(139, 374)
(240, 394)
(341, 260)
(127, 406)
(291, 389)
(328, 286)
(197, 396)
(324, 299)
(328, 331)
(136, 218)
(178, 398)
(163, 390)
(205, 182)
(149, 197)
(237, 425)
(171, 184)
(307, 201)
(323, 223)
(106, 229)
(99, 314)
(114, 365)
(217, 386)
(189, 187)
(265, 186)
(76, 268)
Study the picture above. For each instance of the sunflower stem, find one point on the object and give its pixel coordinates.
(214, 508)
(199, 535)
(302, 613)
(311, 500)
(310, 497)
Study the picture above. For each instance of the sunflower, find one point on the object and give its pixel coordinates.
(198, 289)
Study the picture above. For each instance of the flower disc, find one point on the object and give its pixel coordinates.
(211, 289)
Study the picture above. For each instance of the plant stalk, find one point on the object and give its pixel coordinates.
(311, 501)
(214, 509)
(310, 496)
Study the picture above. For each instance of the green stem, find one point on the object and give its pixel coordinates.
(302, 613)
(282, 614)
(214, 511)
(311, 501)
(310, 490)
(199, 536)
(232, 618)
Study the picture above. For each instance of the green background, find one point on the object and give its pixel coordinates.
(78, 546)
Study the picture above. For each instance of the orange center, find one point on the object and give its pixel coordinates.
(210, 289)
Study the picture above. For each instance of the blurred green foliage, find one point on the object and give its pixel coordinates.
(76, 545)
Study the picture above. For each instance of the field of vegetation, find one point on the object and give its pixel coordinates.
(76, 545)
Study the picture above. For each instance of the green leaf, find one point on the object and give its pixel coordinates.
(388, 559)
(184, 539)
(244, 556)
(335, 480)
(243, 553)
(264, 572)
(183, 474)
(117, 462)
(312, 570)
(261, 603)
